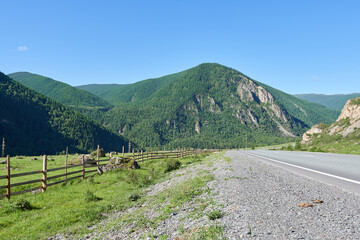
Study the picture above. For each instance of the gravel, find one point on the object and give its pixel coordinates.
(259, 201)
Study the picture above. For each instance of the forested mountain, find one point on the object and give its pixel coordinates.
(61, 92)
(33, 124)
(207, 106)
(137, 92)
(336, 101)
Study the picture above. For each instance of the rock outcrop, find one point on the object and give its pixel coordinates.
(348, 122)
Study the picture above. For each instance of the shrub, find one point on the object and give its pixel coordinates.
(90, 197)
(216, 214)
(172, 164)
(134, 197)
(21, 204)
(101, 153)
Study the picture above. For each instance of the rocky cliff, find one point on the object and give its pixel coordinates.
(347, 123)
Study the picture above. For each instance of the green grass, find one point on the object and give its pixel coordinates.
(72, 207)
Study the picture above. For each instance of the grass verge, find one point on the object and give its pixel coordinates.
(71, 208)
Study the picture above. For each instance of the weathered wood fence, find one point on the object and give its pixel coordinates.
(69, 170)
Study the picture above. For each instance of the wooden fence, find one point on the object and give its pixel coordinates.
(83, 166)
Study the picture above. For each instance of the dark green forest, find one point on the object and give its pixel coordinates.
(61, 92)
(33, 124)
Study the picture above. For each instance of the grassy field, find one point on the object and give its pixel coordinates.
(73, 207)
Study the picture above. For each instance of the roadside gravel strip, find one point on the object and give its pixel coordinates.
(268, 199)
(259, 201)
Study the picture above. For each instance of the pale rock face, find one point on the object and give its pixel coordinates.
(351, 111)
(264, 96)
(246, 89)
(213, 107)
(278, 113)
(197, 127)
(308, 134)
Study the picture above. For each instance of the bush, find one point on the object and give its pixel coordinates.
(134, 197)
(216, 214)
(21, 204)
(172, 164)
(90, 197)
(101, 153)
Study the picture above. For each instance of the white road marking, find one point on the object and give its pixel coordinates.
(307, 169)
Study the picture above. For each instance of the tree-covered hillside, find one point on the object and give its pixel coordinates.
(33, 124)
(137, 92)
(61, 92)
(209, 106)
(336, 101)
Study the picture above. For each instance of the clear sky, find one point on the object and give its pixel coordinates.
(295, 46)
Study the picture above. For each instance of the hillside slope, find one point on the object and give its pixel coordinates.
(137, 92)
(33, 124)
(341, 136)
(209, 106)
(61, 92)
(336, 101)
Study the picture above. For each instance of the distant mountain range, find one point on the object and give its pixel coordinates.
(33, 124)
(209, 105)
(336, 101)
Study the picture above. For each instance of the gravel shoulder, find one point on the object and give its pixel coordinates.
(256, 201)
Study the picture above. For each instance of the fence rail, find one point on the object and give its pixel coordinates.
(44, 180)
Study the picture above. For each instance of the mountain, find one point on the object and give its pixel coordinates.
(207, 106)
(117, 94)
(33, 124)
(336, 101)
(61, 92)
(342, 136)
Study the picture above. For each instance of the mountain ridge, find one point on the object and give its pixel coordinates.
(332, 101)
(59, 91)
(33, 124)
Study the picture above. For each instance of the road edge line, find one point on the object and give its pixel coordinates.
(304, 168)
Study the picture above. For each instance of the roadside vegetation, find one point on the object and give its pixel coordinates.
(73, 207)
(327, 143)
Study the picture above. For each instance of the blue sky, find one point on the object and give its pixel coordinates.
(295, 46)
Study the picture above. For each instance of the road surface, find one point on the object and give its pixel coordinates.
(339, 170)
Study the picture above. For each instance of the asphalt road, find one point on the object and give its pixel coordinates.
(340, 170)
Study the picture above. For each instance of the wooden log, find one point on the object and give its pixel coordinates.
(71, 173)
(26, 182)
(44, 172)
(27, 190)
(25, 174)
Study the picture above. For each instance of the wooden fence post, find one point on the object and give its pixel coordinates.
(83, 167)
(8, 177)
(150, 154)
(44, 172)
(142, 156)
(98, 154)
(66, 163)
(123, 148)
(133, 154)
